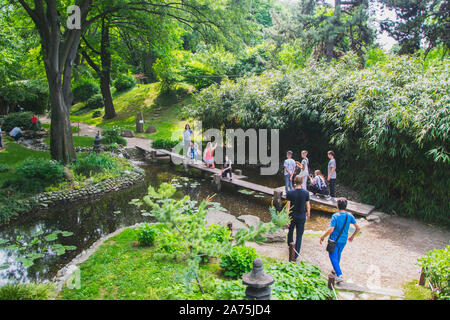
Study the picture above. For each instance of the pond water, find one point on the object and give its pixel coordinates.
(86, 221)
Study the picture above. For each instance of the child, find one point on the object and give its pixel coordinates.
(318, 184)
(289, 170)
(227, 168)
(193, 151)
(187, 138)
(208, 155)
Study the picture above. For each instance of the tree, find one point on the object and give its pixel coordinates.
(419, 20)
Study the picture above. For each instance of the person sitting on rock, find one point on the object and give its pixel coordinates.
(227, 169)
(318, 184)
(193, 151)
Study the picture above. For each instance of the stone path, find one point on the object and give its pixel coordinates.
(91, 131)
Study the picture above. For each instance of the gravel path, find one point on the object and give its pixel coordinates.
(385, 251)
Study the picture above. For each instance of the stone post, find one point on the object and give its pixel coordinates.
(238, 172)
(217, 181)
(97, 145)
(257, 282)
(292, 252)
(140, 122)
(331, 281)
(277, 199)
(153, 156)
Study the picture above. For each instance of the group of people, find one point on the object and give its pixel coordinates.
(192, 151)
(299, 207)
(17, 132)
(318, 183)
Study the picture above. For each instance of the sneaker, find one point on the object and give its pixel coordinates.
(340, 279)
(328, 198)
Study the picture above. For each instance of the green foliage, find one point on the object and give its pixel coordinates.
(34, 175)
(17, 119)
(124, 82)
(95, 102)
(166, 144)
(84, 90)
(92, 163)
(96, 114)
(27, 291)
(12, 204)
(146, 235)
(436, 265)
(238, 261)
(4, 168)
(112, 135)
(32, 95)
(300, 281)
(388, 124)
(413, 291)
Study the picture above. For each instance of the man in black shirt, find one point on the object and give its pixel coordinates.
(298, 200)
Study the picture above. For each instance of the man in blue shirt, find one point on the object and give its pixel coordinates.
(340, 221)
(16, 133)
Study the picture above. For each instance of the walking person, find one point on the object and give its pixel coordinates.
(208, 154)
(304, 168)
(289, 170)
(332, 173)
(227, 169)
(318, 184)
(338, 232)
(187, 138)
(298, 201)
(34, 123)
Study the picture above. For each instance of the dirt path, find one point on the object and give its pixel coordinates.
(87, 130)
(386, 251)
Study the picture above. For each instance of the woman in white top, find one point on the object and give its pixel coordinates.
(187, 138)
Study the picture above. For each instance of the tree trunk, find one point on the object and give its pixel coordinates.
(331, 42)
(105, 74)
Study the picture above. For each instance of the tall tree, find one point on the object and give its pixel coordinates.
(419, 21)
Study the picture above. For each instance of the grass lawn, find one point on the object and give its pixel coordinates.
(46, 126)
(161, 110)
(81, 141)
(14, 154)
(120, 269)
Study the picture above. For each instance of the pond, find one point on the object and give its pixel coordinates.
(70, 228)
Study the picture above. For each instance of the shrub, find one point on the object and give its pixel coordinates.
(92, 163)
(95, 102)
(124, 82)
(34, 175)
(112, 135)
(146, 234)
(32, 95)
(238, 261)
(27, 291)
(4, 168)
(166, 144)
(96, 114)
(17, 119)
(436, 265)
(84, 90)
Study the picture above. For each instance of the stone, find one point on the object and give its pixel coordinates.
(223, 218)
(68, 174)
(277, 236)
(373, 218)
(140, 122)
(150, 129)
(258, 282)
(127, 133)
(250, 220)
(379, 214)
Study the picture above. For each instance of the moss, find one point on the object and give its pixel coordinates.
(413, 291)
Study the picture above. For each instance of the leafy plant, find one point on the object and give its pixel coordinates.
(90, 164)
(166, 144)
(27, 291)
(112, 135)
(146, 235)
(17, 119)
(238, 261)
(84, 90)
(95, 102)
(96, 114)
(436, 265)
(124, 82)
(4, 168)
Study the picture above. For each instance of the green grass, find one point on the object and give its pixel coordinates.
(120, 269)
(160, 110)
(413, 291)
(81, 141)
(28, 291)
(15, 154)
(46, 126)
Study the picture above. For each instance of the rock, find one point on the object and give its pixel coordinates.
(278, 236)
(223, 218)
(249, 220)
(373, 218)
(379, 214)
(150, 129)
(127, 133)
(68, 174)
